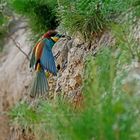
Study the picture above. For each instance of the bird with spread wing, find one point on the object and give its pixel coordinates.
(42, 60)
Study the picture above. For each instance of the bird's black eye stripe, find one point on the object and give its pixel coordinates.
(52, 40)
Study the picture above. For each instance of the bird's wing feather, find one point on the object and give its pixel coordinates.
(38, 50)
(47, 58)
(36, 53)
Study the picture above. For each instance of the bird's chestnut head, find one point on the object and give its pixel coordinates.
(49, 34)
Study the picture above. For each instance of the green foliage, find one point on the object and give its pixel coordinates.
(127, 41)
(24, 114)
(3, 23)
(87, 16)
(81, 16)
(41, 13)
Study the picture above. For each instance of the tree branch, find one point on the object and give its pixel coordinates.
(18, 46)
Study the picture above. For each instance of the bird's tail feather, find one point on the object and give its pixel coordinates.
(40, 84)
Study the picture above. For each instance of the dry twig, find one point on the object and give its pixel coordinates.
(18, 46)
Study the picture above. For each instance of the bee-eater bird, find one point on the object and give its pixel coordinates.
(42, 60)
